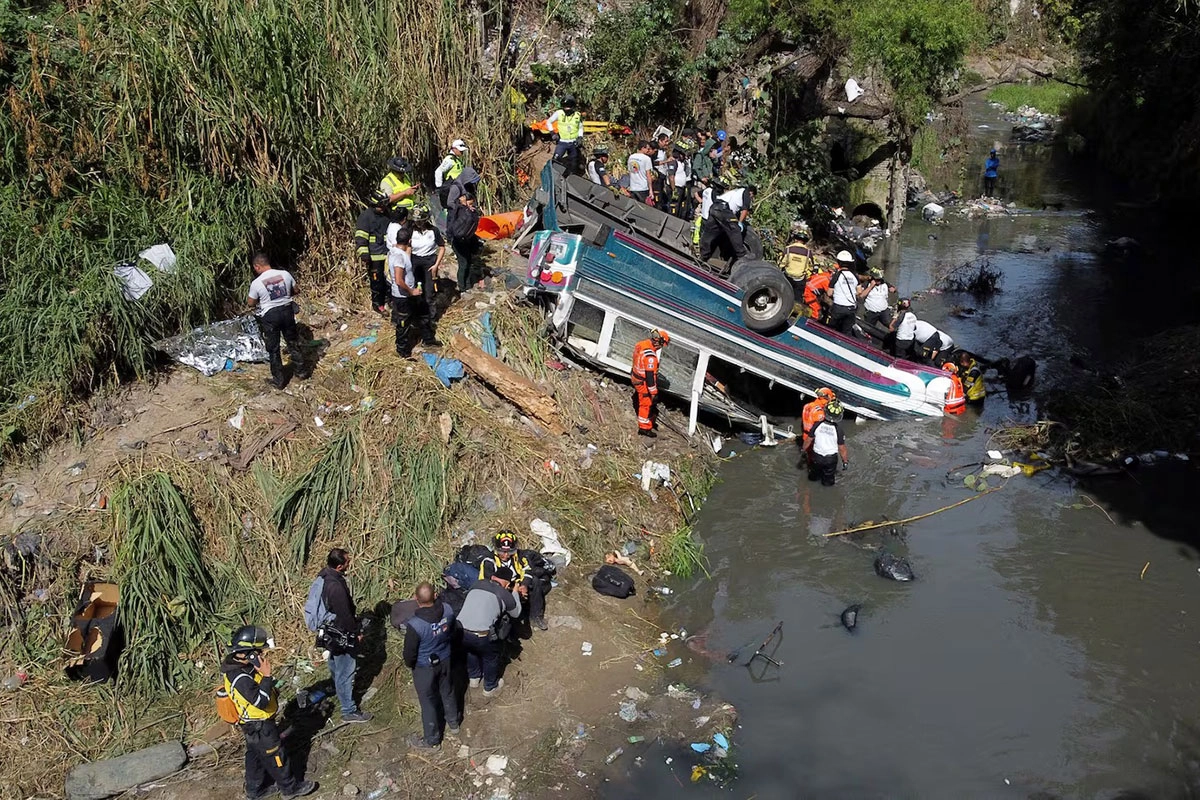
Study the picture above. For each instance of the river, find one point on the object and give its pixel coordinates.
(1031, 657)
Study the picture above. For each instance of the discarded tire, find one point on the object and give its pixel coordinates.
(767, 300)
(753, 243)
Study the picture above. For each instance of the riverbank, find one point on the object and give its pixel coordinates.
(421, 470)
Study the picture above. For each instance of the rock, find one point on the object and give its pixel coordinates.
(350, 790)
(636, 694)
(563, 621)
(102, 779)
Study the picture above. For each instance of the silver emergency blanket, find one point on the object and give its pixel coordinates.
(209, 347)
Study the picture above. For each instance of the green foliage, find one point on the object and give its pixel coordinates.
(917, 43)
(794, 182)
(166, 590)
(1049, 97)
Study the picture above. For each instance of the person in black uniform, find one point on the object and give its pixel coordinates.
(250, 687)
(370, 245)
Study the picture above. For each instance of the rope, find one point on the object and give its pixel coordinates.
(886, 522)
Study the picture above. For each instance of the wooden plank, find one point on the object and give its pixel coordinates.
(250, 452)
(523, 393)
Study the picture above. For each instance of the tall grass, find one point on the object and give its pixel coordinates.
(1048, 97)
(218, 127)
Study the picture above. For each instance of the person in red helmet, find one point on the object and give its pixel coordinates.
(644, 377)
(813, 413)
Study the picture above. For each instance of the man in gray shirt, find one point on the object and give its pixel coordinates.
(486, 603)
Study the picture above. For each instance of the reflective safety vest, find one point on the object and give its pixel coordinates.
(645, 366)
(570, 127)
(456, 167)
(797, 262)
(813, 413)
(247, 711)
(817, 283)
(956, 401)
(395, 182)
(518, 565)
(972, 380)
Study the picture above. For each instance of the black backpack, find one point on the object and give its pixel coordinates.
(473, 554)
(542, 569)
(614, 582)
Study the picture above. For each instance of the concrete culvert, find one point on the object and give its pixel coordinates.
(871, 210)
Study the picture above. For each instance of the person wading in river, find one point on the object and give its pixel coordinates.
(972, 378)
(828, 443)
(991, 171)
(813, 413)
(644, 377)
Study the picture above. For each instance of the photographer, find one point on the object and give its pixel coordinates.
(342, 633)
(874, 295)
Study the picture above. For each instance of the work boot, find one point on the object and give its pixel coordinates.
(648, 433)
(431, 342)
(358, 716)
(453, 730)
(492, 692)
(270, 791)
(304, 789)
(417, 742)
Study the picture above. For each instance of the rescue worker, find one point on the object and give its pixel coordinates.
(828, 443)
(450, 168)
(487, 601)
(843, 288)
(904, 325)
(272, 299)
(646, 356)
(797, 262)
(399, 186)
(680, 179)
(813, 413)
(816, 292)
(956, 401)
(874, 294)
(664, 169)
(570, 134)
(370, 245)
(505, 556)
(972, 377)
(727, 221)
(427, 653)
(428, 254)
(597, 168)
(248, 682)
(702, 196)
(928, 341)
(991, 171)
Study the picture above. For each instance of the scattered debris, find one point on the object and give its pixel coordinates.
(893, 567)
(238, 419)
(521, 391)
(209, 347)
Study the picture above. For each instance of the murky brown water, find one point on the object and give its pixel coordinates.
(1029, 659)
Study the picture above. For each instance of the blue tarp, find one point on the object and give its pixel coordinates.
(446, 369)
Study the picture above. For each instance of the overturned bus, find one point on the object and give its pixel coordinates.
(611, 269)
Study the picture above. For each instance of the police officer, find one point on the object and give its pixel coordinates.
(399, 186)
(528, 586)
(481, 617)
(450, 168)
(427, 653)
(251, 688)
(570, 134)
(370, 243)
(727, 220)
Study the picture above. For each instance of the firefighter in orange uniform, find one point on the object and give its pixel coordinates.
(815, 292)
(956, 400)
(813, 413)
(646, 355)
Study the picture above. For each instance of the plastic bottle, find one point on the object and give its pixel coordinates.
(614, 755)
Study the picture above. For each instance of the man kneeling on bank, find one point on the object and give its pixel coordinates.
(486, 622)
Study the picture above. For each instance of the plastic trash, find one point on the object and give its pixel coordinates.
(446, 369)
(932, 212)
(698, 772)
(701, 747)
(662, 589)
(995, 454)
(614, 755)
(629, 711)
(636, 739)
(238, 419)
(675, 663)
(721, 740)
(586, 648)
(581, 732)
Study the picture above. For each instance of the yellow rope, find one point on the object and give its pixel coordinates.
(887, 522)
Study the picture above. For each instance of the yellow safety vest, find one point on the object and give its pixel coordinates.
(972, 380)
(456, 168)
(518, 564)
(570, 126)
(247, 711)
(394, 182)
(797, 262)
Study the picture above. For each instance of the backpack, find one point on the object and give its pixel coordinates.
(226, 709)
(540, 568)
(316, 615)
(460, 575)
(614, 582)
(473, 554)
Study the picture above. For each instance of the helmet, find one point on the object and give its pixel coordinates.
(600, 151)
(378, 199)
(662, 336)
(399, 164)
(459, 145)
(504, 542)
(834, 410)
(420, 214)
(876, 273)
(721, 136)
(950, 367)
(844, 257)
(800, 230)
(826, 393)
(568, 101)
(249, 638)
(904, 303)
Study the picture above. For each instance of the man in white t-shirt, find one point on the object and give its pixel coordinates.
(874, 295)
(640, 173)
(843, 286)
(928, 341)
(410, 312)
(905, 325)
(272, 298)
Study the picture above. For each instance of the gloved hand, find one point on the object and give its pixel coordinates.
(845, 465)
(742, 227)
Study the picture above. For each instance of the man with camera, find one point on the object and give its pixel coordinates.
(427, 639)
(341, 632)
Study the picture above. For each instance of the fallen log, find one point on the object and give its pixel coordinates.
(520, 391)
(242, 460)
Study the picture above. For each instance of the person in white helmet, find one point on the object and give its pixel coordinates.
(843, 287)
